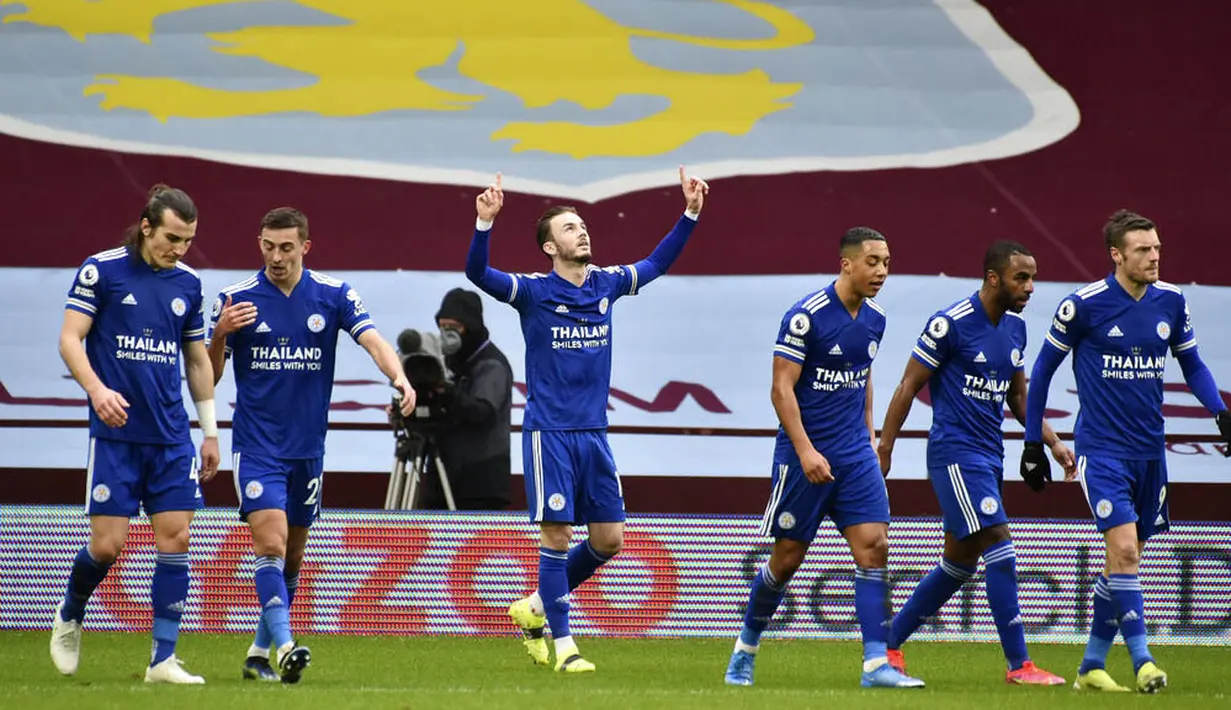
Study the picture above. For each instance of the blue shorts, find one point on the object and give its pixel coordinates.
(969, 496)
(292, 485)
(797, 506)
(1122, 491)
(122, 477)
(571, 477)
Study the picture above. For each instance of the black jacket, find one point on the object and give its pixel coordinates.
(474, 445)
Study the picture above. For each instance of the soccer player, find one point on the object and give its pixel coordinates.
(280, 326)
(1119, 330)
(570, 473)
(824, 461)
(138, 309)
(971, 356)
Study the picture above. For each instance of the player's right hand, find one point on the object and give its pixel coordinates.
(1035, 469)
(884, 454)
(815, 467)
(110, 406)
(234, 317)
(489, 202)
(695, 190)
(1224, 427)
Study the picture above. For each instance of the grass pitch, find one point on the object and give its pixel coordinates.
(468, 672)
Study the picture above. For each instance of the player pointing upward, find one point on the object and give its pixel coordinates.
(570, 473)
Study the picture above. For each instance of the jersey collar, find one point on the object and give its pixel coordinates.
(263, 278)
(832, 291)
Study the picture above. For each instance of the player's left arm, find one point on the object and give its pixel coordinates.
(1197, 375)
(867, 411)
(672, 245)
(199, 371)
(386, 358)
(356, 320)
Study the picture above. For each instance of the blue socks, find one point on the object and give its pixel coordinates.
(872, 609)
(169, 593)
(871, 606)
(263, 637)
(272, 594)
(1000, 570)
(82, 581)
(553, 589)
(1129, 604)
(1103, 629)
(763, 601)
(583, 561)
(931, 594)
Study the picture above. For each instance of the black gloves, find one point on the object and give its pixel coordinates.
(1036, 471)
(1224, 428)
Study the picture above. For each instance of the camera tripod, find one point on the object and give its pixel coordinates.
(419, 450)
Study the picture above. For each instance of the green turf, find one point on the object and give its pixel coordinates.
(457, 673)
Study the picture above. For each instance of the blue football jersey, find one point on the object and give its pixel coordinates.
(142, 316)
(284, 361)
(567, 329)
(972, 364)
(1119, 351)
(836, 353)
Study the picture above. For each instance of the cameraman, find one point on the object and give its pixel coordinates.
(474, 443)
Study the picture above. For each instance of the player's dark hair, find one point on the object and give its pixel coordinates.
(542, 228)
(1120, 224)
(286, 218)
(856, 236)
(161, 198)
(998, 255)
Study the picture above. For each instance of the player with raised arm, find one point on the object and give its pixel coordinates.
(570, 473)
(1119, 330)
(824, 459)
(280, 327)
(138, 309)
(971, 355)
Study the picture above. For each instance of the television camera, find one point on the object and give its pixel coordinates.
(415, 448)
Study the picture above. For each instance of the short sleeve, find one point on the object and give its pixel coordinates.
(793, 335)
(85, 294)
(214, 314)
(935, 343)
(194, 324)
(1018, 354)
(355, 318)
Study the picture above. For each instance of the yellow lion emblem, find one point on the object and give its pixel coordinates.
(542, 51)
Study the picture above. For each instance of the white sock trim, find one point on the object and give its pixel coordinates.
(536, 603)
(741, 646)
(255, 650)
(564, 643)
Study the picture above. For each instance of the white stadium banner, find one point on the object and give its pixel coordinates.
(456, 573)
(689, 351)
